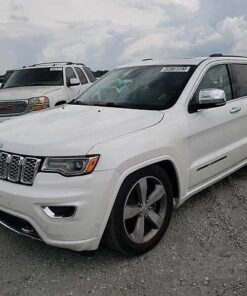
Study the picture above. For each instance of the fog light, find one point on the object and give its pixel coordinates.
(59, 212)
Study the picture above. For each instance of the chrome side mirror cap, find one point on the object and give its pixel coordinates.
(209, 98)
(212, 96)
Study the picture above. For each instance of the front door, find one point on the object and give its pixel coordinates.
(216, 133)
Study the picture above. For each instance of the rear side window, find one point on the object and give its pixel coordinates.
(69, 72)
(89, 74)
(81, 75)
(241, 77)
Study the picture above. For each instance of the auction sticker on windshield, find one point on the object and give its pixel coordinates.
(175, 69)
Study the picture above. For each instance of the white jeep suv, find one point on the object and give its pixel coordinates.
(43, 86)
(114, 163)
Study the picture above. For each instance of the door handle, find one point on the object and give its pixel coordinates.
(235, 109)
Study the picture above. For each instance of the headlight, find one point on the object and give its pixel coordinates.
(70, 166)
(39, 103)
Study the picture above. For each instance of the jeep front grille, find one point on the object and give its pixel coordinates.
(12, 108)
(18, 169)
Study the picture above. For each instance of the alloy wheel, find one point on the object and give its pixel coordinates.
(145, 209)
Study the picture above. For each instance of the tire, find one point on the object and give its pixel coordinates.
(132, 231)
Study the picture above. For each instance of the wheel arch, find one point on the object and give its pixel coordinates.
(170, 169)
(167, 163)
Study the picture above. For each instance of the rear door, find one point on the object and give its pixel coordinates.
(83, 79)
(217, 133)
(90, 74)
(240, 84)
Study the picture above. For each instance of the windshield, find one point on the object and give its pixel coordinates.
(144, 87)
(35, 77)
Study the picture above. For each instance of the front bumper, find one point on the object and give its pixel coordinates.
(2, 119)
(91, 195)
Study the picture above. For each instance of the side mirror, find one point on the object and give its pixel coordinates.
(209, 98)
(73, 82)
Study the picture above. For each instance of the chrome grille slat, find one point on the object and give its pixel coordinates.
(11, 108)
(14, 169)
(29, 170)
(17, 168)
(4, 164)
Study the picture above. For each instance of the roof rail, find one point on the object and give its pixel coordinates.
(47, 63)
(215, 55)
(56, 63)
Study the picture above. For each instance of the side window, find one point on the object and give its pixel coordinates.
(240, 72)
(81, 75)
(89, 74)
(216, 77)
(69, 72)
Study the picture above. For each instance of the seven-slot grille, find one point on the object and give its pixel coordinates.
(18, 169)
(9, 108)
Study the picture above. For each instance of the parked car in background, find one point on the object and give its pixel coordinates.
(42, 86)
(144, 138)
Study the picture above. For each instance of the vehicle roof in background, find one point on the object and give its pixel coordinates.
(51, 65)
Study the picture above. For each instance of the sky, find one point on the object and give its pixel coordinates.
(106, 33)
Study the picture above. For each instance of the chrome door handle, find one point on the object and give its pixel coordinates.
(235, 109)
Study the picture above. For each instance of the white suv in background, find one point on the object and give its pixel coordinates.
(43, 86)
(112, 164)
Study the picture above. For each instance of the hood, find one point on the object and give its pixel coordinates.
(71, 130)
(23, 93)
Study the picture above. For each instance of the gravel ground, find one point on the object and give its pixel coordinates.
(204, 252)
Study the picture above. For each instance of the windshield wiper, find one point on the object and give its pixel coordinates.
(100, 104)
(116, 105)
(74, 102)
(125, 105)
